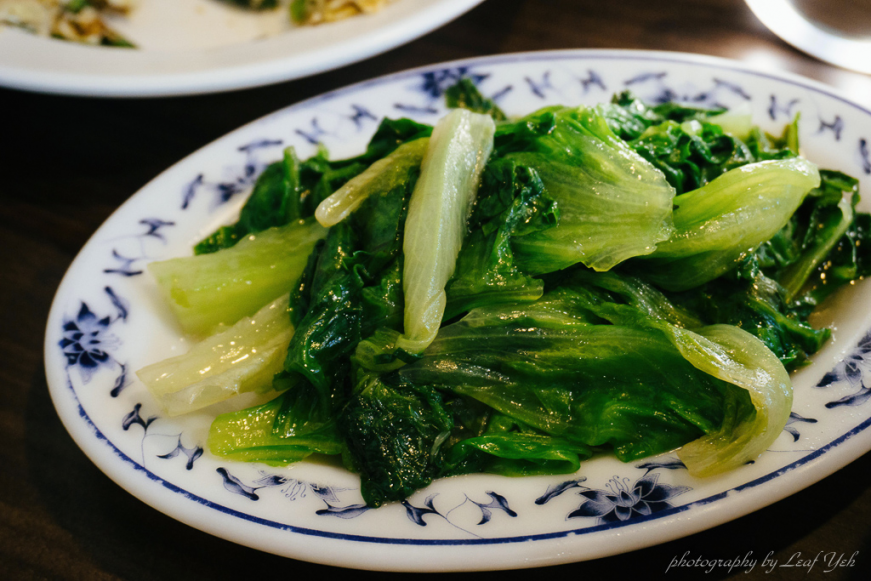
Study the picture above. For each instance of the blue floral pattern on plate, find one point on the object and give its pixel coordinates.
(623, 501)
(92, 331)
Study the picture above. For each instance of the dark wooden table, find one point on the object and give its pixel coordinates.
(69, 162)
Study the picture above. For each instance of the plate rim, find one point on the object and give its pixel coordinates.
(260, 72)
(819, 464)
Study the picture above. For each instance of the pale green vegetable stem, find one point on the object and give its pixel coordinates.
(379, 177)
(437, 213)
(241, 359)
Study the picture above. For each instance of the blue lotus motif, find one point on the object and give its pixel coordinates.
(623, 500)
(87, 341)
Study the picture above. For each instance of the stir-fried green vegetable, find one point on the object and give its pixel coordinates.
(437, 214)
(613, 204)
(719, 224)
(243, 358)
(516, 296)
(206, 292)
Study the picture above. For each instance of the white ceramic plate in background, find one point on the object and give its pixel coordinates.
(787, 20)
(107, 321)
(202, 46)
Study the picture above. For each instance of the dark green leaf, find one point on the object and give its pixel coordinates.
(464, 94)
(393, 435)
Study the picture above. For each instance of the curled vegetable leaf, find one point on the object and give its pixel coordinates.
(613, 203)
(827, 225)
(735, 356)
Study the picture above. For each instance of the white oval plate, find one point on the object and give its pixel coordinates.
(203, 46)
(106, 322)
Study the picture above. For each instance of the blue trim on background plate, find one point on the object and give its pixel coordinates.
(521, 57)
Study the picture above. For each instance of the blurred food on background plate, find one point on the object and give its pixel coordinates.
(76, 20)
(82, 20)
(318, 11)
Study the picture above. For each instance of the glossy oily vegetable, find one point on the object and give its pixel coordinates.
(516, 295)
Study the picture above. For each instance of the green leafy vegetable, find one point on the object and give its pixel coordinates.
(848, 262)
(437, 213)
(629, 117)
(329, 320)
(392, 435)
(812, 232)
(248, 436)
(592, 384)
(735, 356)
(512, 203)
(465, 95)
(241, 359)
(385, 174)
(721, 223)
(516, 298)
(289, 190)
(757, 304)
(511, 448)
(691, 154)
(211, 290)
(613, 204)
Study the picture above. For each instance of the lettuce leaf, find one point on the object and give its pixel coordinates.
(243, 358)
(512, 202)
(733, 355)
(592, 384)
(248, 436)
(383, 175)
(208, 291)
(436, 224)
(393, 435)
(639, 384)
(613, 204)
(723, 222)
